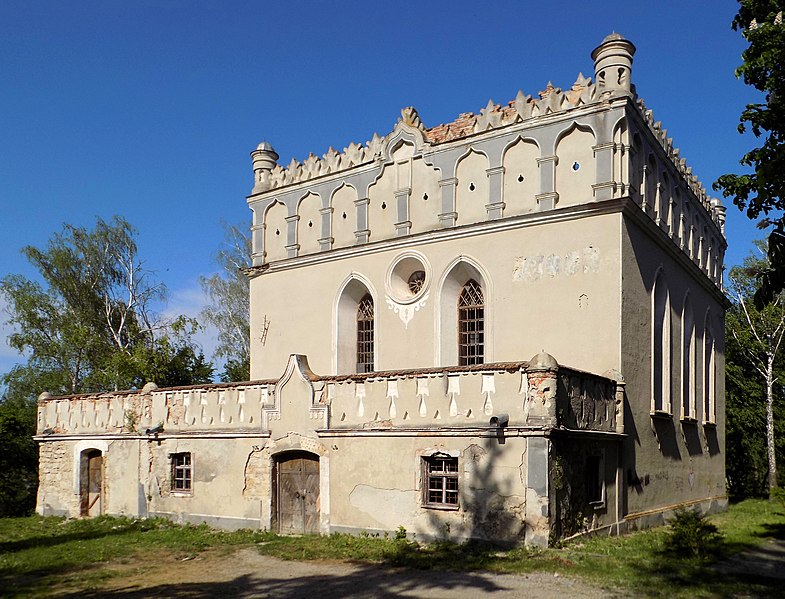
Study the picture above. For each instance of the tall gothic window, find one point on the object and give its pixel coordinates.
(471, 324)
(365, 334)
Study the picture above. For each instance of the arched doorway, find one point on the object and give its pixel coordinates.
(91, 483)
(296, 493)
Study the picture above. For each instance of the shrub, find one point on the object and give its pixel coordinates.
(692, 535)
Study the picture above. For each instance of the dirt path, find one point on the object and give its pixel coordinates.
(246, 573)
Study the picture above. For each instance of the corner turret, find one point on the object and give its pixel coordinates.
(265, 159)
(613, 64)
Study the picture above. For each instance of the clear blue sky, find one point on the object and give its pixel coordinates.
(149, 109)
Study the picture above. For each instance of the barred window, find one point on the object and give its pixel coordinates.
(181, 472)
(365, 334)
(471, 324)
(441, 478)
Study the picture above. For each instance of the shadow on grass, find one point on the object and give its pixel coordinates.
(725, 569)
(58, 539)
(362, 581)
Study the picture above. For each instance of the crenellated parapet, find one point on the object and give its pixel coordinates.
(494, 116)
(712, 205)
(209, 407)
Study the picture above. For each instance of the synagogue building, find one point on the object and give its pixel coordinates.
(508, 327)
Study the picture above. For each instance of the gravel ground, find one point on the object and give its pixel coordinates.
(246, 573)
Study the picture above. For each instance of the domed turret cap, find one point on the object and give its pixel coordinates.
(543, 361)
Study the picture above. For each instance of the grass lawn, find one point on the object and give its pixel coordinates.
(47, 556)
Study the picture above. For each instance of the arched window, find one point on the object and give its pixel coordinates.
(365, 334)
(355, 328)
(471, 324)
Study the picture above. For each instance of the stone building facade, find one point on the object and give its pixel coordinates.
(397, 289)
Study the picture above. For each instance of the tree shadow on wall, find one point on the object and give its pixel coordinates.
(492, 515)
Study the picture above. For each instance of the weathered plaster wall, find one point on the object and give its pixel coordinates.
(667, 459)
(220, 494)
(569, 268)
(379, 471)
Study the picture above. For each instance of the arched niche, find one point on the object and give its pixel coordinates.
(275, 232)
(621, 161)
(650, 191)
(344, 216)
(575, 167)
(473, 191)
(460, 272)
(521, 177)
(395, 179)
(350, 297)
(660, 345)
(709, 370)
(424, 200)
(664, 202)
(636, 173)
(309, 226)
(688, 360)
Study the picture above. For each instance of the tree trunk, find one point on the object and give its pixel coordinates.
(770, 426)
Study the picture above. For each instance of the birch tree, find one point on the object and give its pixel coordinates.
(90, 324)
(759, 333)
(229, 308)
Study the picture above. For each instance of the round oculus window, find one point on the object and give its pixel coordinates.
(408, 278)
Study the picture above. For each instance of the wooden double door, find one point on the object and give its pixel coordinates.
(297, 493)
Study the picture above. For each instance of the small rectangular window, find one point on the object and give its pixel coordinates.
(441, 481)
(181, 472)
(595, 480)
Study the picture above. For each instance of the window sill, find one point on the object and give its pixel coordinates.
(689, 420)
(441, 508)
(709, 424)
(181, 494)
(597, 506)
(661, 415)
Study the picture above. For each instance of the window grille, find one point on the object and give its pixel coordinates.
(365, 334)
(471, 325)
(416, 281)
(441, 477)
(181, 472)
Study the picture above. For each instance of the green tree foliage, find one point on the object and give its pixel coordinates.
(754, 375)
(87, 326)
(761, 191)
(91, 325)
(229, 308)
(18, 456)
